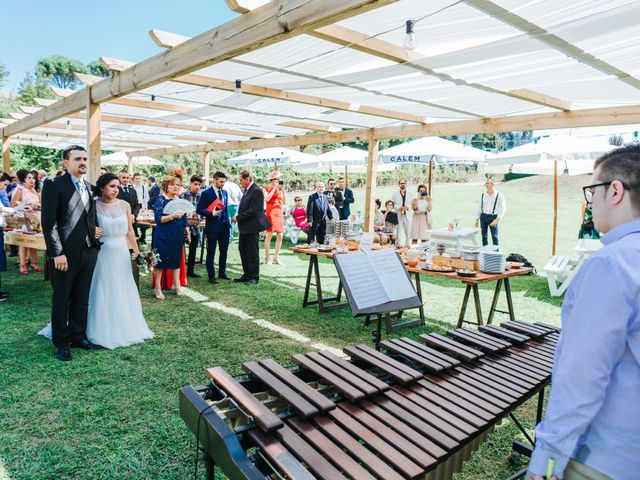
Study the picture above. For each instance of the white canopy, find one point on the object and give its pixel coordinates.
(269, 156)
(444, 152)
(575, 155)
(336, 159)
(121, 158)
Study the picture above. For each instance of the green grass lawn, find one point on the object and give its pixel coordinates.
(114, 414)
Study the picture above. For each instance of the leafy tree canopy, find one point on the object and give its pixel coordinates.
(96, 68)
(59, 70)
(4, 74)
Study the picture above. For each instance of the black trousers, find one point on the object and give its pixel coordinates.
(70, 299)
(143, 232)
(248, 244)
(214, 240)
(193, 250)
(317, 231)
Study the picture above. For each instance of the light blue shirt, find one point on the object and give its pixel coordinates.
(4, 198)
(593, 413)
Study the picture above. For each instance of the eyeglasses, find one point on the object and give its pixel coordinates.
(588, 190)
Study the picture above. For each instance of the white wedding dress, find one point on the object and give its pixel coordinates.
(115, 313)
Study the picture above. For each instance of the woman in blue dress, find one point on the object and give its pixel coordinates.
(169, 236)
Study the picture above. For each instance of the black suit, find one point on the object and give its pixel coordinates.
(251, 221)
(317, 214)
(69, 229)
(345, 209)
(130, 196)
(154, 193)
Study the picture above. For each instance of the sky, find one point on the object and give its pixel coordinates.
(88, 29)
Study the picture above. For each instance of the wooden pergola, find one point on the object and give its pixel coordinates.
(528, 74)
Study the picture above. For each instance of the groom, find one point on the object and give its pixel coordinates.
(71, 235)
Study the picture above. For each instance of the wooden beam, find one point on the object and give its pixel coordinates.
(28, 109)
(135, 102)
(542, 35)
(81, 137)
(244, 6)
(173, 125)
(71, 104)
(206, 165)
(17, 116)
(6, 154)
(389, 51)
(266, 92)
(576, 118)
(114, 64)
(94, 146)
(592, 117)
(45, 102)
(541, 99)
(308, 126)
(267, 25)
(167, 39)
(295, 97)
(292, 141)
(372, 177)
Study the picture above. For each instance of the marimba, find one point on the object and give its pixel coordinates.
(418, 410)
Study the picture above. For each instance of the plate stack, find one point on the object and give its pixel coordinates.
(492, 262)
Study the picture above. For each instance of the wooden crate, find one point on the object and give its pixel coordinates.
(457, 263)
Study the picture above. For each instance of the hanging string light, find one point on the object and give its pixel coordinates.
(68, 124)
(410, 35)
(153, 97)
(238, 90)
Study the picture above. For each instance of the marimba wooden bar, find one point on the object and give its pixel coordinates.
(418, 410)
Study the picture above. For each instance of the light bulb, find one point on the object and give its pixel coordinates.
(410, 36)
(203, 128)
(238, 89)
(153, 98)
(68, 124)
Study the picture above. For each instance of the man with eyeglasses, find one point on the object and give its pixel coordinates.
(591, 428)
(402, 200)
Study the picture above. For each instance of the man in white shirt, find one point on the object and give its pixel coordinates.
(141, 189)
(402, 201)
(491, 210)
(234, 194)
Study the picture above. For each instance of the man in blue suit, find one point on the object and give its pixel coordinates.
(213, 207)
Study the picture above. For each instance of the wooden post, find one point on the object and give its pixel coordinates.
(6, 164)
(372, 176)
(346, 177)
(93, 137)
(430, 174)
(205, 164)
(130, 164)
(555, 206)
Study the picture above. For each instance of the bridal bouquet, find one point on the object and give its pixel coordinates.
(147, 259)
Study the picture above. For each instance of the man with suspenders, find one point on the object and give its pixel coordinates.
(490, 211)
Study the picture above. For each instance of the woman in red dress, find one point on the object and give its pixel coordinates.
(274, 198)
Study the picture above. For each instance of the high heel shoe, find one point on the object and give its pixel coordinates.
(35, 267)
(267, 261)
(177, 291)
(158, 293)
(23, 269)
(276, 261)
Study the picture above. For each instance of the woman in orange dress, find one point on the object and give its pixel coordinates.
(274, 198)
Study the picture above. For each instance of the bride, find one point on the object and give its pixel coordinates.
(115, 313)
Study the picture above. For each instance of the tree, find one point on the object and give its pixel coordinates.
(32, 88)
(59, 70)
(4, 73)
(96, 68)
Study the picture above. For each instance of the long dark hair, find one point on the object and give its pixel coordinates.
(103, 181)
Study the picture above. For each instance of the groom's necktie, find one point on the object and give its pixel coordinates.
(84, 195)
